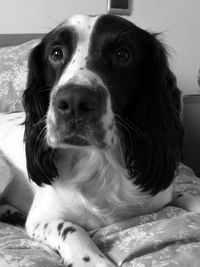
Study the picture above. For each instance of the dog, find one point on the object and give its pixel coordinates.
(101, 136)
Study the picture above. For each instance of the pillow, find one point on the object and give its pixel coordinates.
(13, 75)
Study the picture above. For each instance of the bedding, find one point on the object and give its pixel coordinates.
(13, 74)
(169, 237)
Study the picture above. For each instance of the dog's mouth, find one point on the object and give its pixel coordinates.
(93, 136)
(76, 140)
(57, 140)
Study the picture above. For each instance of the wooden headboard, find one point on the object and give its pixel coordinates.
(16, 39)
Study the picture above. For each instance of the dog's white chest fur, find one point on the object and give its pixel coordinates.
(93, 193)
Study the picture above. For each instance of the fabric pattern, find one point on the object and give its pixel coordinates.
(13, 75)
(17, 250)
(167, 238)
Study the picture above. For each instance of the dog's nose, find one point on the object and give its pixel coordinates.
(76, 102)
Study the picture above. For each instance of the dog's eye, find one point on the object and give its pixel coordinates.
(57, 54)
(122, 55)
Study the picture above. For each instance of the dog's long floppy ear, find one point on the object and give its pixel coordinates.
(155, 148)
(40, 165)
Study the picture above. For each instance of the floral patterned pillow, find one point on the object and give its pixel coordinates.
(13, 75)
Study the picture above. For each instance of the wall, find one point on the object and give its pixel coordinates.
(39, 16)
(191, 120)
(178, 20)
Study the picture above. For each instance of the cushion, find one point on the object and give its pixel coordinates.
(13, 75)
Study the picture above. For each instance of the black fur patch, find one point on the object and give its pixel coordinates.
(37, 225)
(86, 259)
(46, 225)
(60, 226)
(67, 230)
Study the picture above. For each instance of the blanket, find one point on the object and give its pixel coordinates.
(169, 237)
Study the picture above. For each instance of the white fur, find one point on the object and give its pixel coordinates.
(108, 124)
(84, 26)
(76, 72)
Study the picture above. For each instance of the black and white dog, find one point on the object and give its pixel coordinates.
(103, 135)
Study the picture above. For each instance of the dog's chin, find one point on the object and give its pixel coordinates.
(74, 140)
(67, 141)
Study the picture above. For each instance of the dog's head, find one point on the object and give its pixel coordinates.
(101, 81)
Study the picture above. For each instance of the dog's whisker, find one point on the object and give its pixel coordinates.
(127, 121)
(40, 121)
(42, 132)
(43, 89)
(129, 124)
(91, 131)
(129, 133)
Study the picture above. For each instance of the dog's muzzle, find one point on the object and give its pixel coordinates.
(77, 116)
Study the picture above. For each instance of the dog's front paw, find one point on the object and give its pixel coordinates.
(89, 260)
(78, 249)
(83, 252)
(87, 255)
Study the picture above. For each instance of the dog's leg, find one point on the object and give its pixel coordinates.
(71, 241)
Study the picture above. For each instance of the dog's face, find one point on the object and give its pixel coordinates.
(80, 112)
(89, 63)
(101, 81)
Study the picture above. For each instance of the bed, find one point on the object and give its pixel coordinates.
(169, 237)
